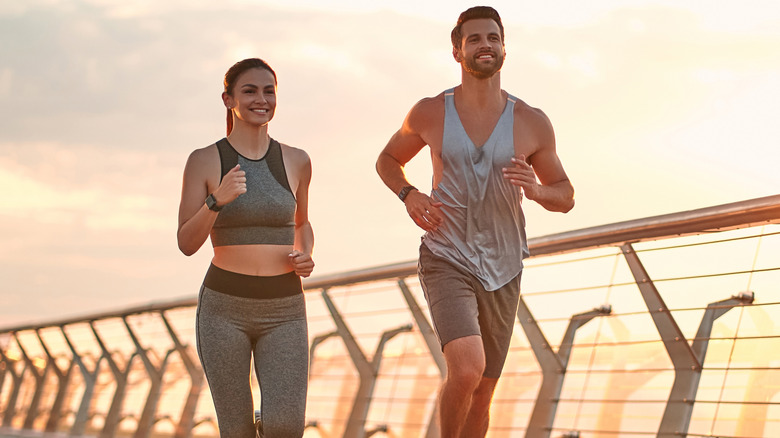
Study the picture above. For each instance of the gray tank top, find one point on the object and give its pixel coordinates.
(484, 227)
(265, 214)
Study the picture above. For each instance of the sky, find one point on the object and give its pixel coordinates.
(658, 107)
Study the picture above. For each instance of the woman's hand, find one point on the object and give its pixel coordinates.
(233, 184)
(301, 263)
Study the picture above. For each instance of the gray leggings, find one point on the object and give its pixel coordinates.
(230, 330)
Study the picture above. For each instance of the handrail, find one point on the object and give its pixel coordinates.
(741, 214)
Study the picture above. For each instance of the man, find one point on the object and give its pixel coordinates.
(487, 149)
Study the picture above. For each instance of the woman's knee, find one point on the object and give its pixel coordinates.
(236, 429)
(286, 426)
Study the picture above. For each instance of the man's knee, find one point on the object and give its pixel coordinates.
(465, 360)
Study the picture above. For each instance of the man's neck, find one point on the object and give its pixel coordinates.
(481, 93)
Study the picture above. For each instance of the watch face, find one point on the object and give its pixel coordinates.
(404, 192)
(211, 203)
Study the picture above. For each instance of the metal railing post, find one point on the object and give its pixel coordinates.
(114, 414)
(147, 420)
(187, 418)
(90, 378)
(63, 379)
(679, 407)
(16, 383)
(553, 364)
(3, 366)
(38, 377)
(368, 370)
(425, 328)
(676, 417)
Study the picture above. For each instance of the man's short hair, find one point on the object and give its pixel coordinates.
(471, 14)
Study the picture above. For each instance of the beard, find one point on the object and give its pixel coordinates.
(483, 71)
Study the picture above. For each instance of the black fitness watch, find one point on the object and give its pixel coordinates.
(405, 192)
(211, 203)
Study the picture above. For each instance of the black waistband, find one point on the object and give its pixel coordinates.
(252, 286)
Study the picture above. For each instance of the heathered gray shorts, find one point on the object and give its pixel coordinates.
(460, 306)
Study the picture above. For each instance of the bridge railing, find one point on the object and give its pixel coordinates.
(662, 326)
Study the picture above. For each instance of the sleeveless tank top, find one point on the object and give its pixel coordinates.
(484, 227)
(265, 214)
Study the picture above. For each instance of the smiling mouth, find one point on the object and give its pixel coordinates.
(260, 111)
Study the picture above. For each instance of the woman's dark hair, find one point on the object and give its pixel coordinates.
(232, 75)
(470, 14)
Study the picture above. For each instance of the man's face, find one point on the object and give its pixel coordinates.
(482, 50)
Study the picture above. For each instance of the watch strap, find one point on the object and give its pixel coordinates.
(405, 192)
(211, 203)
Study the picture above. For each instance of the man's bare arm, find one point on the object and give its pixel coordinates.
(552, 195)
(552, 190)
(404, 145)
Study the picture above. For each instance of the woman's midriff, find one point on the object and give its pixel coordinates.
(261, 260)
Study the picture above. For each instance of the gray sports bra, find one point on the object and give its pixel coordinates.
(265, 214)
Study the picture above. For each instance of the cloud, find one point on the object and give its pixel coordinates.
(88, 186)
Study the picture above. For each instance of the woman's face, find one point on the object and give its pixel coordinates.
(254, 97)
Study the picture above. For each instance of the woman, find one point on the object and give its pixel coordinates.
(249, 193)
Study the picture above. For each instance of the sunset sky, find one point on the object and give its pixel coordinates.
(658, 107)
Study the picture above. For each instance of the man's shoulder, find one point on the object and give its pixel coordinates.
(522, 108)
(427, 111)
(430, 103)
(528, 114)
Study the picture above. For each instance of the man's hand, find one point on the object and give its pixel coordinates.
(523, 176)
(423, 210)
(301, 263)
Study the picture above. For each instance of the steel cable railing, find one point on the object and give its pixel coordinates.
(662, 326)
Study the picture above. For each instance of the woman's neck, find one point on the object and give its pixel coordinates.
(251, 143)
